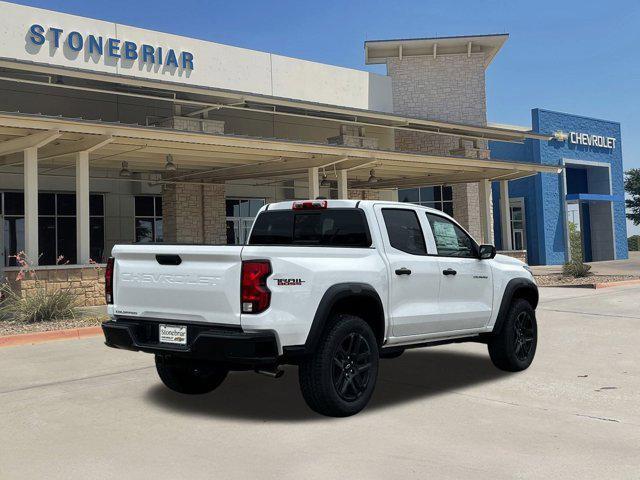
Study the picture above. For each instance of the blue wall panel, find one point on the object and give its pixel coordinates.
(544, 196)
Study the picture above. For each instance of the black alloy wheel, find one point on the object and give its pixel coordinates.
(351, 367)
(338, 378)
(523, 335)
(513, 347)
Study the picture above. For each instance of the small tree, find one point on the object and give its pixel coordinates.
(575, 242)
(632, 187)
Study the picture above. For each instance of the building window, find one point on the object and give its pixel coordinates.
(56, 227)
(12, 208)
(148, 218)
(241, 213)
(518, 228)
(440, 197)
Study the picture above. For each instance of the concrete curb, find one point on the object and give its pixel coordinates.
(49, 336)
(615, 284)
(597, 285)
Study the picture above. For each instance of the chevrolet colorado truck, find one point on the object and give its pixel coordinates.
(331, 286)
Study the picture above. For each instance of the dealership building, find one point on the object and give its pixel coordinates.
(111, 134)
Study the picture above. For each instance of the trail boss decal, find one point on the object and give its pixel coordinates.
(288, 282)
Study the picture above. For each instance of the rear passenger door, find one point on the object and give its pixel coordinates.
(466, 289)
(414, 278)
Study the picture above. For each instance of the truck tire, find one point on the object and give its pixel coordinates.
(513, 348)
(189, 376)
(338, 379)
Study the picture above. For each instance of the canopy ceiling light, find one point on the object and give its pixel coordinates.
(325, 182)
(372, 177)
(124, 171)
(169, 165)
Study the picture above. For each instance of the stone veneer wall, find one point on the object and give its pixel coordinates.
(448, 88)
(357, 194)
(87, 283)
(519, 254)
(194, 214)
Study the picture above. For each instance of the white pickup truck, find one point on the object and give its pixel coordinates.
(329, 285)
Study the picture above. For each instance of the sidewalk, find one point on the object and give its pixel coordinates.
(611, 267)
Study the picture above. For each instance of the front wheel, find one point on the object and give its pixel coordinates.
(338, 379)
(514, 347)
(192, 377)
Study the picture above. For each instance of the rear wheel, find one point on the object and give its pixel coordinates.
(192, 377)
(514, 347)
(338, 379)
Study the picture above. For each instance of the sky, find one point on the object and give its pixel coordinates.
(578, 57)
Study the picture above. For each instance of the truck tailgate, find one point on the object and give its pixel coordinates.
(196, 283)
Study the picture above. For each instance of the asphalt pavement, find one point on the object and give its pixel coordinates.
(76, 409)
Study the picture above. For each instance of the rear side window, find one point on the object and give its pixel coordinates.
(404, 230)
(331, 228)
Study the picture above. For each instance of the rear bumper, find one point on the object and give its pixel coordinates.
(221, 344)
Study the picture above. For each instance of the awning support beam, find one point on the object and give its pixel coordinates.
(35, 140)
(69, 148)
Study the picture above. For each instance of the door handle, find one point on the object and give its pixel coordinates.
(449, 271)
(403, 271)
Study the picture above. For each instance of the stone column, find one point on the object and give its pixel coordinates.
(194, 214)
(449, 88)
(357, 194)
(214, 214)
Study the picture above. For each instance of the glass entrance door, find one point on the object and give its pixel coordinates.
(241, 213)
(518, 229)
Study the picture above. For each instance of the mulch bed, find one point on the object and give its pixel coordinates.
(9, 327)
(557, 280)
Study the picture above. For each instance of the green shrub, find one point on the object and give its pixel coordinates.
(634, 243)
(576, 269)
(575, 242)
(38, 305)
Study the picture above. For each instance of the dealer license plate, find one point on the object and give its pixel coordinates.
(176, 334)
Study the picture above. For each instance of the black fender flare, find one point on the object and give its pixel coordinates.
(334, 294)
(515, 287)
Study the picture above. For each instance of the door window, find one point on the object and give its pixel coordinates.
(404, 230)
(451, 240)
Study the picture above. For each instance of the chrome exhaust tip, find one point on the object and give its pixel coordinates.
(275, 373)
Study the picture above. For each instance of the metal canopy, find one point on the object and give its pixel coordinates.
(201, 99)
(219, 158)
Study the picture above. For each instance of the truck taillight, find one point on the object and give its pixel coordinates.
(310, 205)
(255, 296)
(108, 282)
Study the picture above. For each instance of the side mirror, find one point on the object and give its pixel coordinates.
(486, 252)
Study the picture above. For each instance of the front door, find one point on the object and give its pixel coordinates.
(466, 289)
(414, 281)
